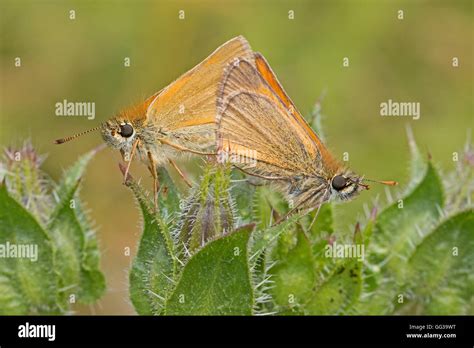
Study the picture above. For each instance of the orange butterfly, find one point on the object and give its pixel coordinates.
(180, 117)
(257, 119)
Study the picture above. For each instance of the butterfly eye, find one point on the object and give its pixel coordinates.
(126, 130)
(339, 182)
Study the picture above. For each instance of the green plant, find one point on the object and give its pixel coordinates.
(417, 253)
(49, 256)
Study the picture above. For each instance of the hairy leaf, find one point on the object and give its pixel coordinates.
(216, 280)
(27, 285)
(338, 290)
(398, 229)
(294, 272)
(153, 269)
(441, 271)
(76, 254)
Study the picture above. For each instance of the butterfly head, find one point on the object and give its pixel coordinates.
(121, 134)
(346, 185)
(118, 133)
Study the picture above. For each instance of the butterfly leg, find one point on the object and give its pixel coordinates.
(129, 160)
(182, 148)
(261, 176)
(181, 174)
(156, 183)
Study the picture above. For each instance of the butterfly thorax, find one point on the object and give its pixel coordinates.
(306, 191)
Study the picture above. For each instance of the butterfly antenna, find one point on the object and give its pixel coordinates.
(66, 139)
(383, 182)
(367, 187)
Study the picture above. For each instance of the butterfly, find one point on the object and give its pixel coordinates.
(256, 119)
(178, 119)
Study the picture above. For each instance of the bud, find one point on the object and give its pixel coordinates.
(208, 212)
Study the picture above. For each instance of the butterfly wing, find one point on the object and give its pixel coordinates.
(186, 109)
(270, 78)
(253, 118)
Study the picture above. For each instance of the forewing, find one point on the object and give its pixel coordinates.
(191, 99)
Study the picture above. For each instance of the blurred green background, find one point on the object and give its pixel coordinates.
(82, 60)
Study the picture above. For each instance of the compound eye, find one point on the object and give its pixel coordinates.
(339, 182)
(126, 130)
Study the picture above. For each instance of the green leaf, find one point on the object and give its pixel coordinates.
(294, 273)
(459, 182)
(417, 162)
(93, 279)
(339, 280)
(75, 251)
(265, 239)
(27, 286)
(74, 173)
(338, 290)
(76, 254)
(261, 245)
(153, 269)
(398, 229)
(441, 271)
(368, 277)
(216, 280)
